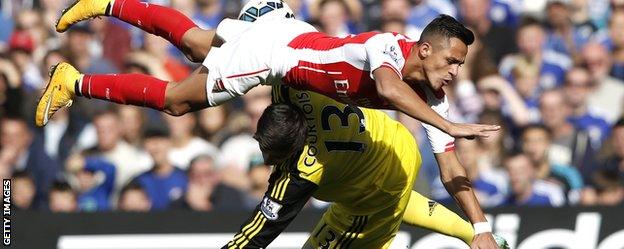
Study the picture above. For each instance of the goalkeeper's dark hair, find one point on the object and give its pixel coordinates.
(447, 27)
(282, 127)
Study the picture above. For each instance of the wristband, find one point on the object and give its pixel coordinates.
(482, 227)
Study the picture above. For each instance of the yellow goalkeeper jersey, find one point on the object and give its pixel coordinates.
(359, 158)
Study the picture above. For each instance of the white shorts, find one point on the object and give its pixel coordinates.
(253, 54)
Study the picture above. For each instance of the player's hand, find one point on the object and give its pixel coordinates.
(483, 241)
(471, 131)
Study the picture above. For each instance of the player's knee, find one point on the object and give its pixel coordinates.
(176, 110)
(175, 105)
(195, 56)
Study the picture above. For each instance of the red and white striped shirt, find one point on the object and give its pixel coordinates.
(292, 52)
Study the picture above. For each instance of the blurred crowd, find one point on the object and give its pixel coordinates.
(550, 72)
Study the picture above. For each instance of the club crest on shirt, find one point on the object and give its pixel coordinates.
(270, 209)
(391, 50)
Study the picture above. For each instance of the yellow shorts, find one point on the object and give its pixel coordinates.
(340, 228)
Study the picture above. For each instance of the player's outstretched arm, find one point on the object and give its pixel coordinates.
(403, 98)
(456, 182)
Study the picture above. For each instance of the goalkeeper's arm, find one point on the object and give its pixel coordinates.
(286, 196)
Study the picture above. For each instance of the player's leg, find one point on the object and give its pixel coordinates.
(340, 229)
(175, 98)
(428, 214)
(154, 19)
(336, 229)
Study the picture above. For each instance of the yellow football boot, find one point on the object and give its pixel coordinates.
(59, 93)
(82, 10)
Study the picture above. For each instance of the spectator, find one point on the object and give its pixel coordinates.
(79, 48)
(616, 40)
(95, 181)
(490, 184)
(394, 26)
(608, 181)
(259, 174)
(146, 63)
(164, 183)
(526, 188)
(608, 94)
(531, 40)
(237, 151)
(397, 10)
(158, 48)
(133, 198)
(114, 38)
(609, 190)
(62, 198)
(421, 13)
(505, 13)
(133, 119)
(564, 36)
(337, 17)
(50, 11)
(500, 95)
(128, 160)
(478, 66)
(578, 85)
(527, 85)
(536, 141)
(62, 134)
(570, 145)
(11, 94)
(212, 122)
(20, 151)
(209, 13)
(475, 13)
(24, 190)
(21, 47)
(496, 145)
(184, 144)
(205, 191)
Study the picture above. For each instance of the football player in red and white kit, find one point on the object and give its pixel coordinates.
(374, 70)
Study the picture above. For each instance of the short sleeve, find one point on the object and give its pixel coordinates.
(440, 141)
(383, 50)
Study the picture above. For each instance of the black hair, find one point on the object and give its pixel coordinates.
(156, 132)
(537, 127)
(282, 127)
(107, 110)
(133, 185)
(448, 27)
(619, 123)
(61, 186)
(22, 174)
(529, 21)
(513, 154)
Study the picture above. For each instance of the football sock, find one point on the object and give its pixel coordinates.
(130, 89)
(165, 22)
(428, 214)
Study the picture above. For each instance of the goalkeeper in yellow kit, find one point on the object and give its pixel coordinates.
(363, 162)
